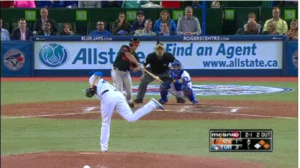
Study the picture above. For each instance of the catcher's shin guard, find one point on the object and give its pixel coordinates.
(190, 94)
(164, 94)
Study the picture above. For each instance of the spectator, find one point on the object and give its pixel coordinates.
(68, 30)
(150, 4)
(188, 24)
(39, 23)
(132, 3)
(147, 29)
(252, 17)
(139, 23)
(281, 25)
(69, 4)
(292, 33)
(271, 30)
(112, 4)
(24, 4)
(165, 30)
(251, 29)
(121, 26)
(7, 4)
(286, 3)
(89, 4)
(164, 17)
(48, 4)
(46, 30)
(4, 33)
(100, 30)
(215, 4)
(196, 4)
(171, 4)
(21, 32)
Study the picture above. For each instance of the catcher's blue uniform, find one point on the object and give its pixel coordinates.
(178, 89)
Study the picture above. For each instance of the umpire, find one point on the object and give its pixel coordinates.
(159, 66)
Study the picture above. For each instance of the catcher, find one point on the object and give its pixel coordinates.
(180, 86)
(159, 65)
(113, 100)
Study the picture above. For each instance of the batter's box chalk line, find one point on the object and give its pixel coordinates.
(254, 115)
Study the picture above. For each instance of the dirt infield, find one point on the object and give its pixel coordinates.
(117, 160)
(173, 111)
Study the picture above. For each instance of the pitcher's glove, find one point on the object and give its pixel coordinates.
(167, 79)
(90, 92)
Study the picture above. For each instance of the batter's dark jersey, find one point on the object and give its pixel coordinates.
(159, 65)
(122, 62)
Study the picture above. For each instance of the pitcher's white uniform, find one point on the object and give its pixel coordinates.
(113, 100)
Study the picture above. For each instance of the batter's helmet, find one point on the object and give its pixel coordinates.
(133, 41)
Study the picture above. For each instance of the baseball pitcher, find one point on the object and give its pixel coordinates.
(113, 100)
(181, 85)
(126, 59)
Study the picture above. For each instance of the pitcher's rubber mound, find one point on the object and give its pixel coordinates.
(118, 160)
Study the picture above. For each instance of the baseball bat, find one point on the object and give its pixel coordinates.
(152, 75)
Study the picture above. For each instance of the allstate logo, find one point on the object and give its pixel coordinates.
(14, 59)
(53, 55)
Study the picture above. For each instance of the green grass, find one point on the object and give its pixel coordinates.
(20, 136)
(172, 137)
(29, 92)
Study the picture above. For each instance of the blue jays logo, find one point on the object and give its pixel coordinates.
(53, 55)
(14, 60)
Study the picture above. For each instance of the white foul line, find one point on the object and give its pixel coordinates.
(48, 115)
(253, 115)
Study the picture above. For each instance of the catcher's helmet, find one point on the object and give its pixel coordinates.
(178, 71)
(134, 41)
(176, 63)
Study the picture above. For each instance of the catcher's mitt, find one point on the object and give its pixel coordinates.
(90, 92)
(167, 79)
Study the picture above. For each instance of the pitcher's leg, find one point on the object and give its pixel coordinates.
(124, 110)
(106, 113)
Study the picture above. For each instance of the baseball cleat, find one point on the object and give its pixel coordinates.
(103, 151)
(195, 102)
(161, 101)
(180, 100)
(157, 104)
(138, 101)
(131, 104)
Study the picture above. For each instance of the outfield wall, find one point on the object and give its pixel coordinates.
(200, 55)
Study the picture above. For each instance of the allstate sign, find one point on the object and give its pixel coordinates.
(53, 55)
(222, 90)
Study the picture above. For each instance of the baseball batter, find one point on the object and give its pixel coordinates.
(181, 87)
(113, 100)
(126, 59)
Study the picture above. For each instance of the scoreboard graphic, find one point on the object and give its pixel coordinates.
(248, 140)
